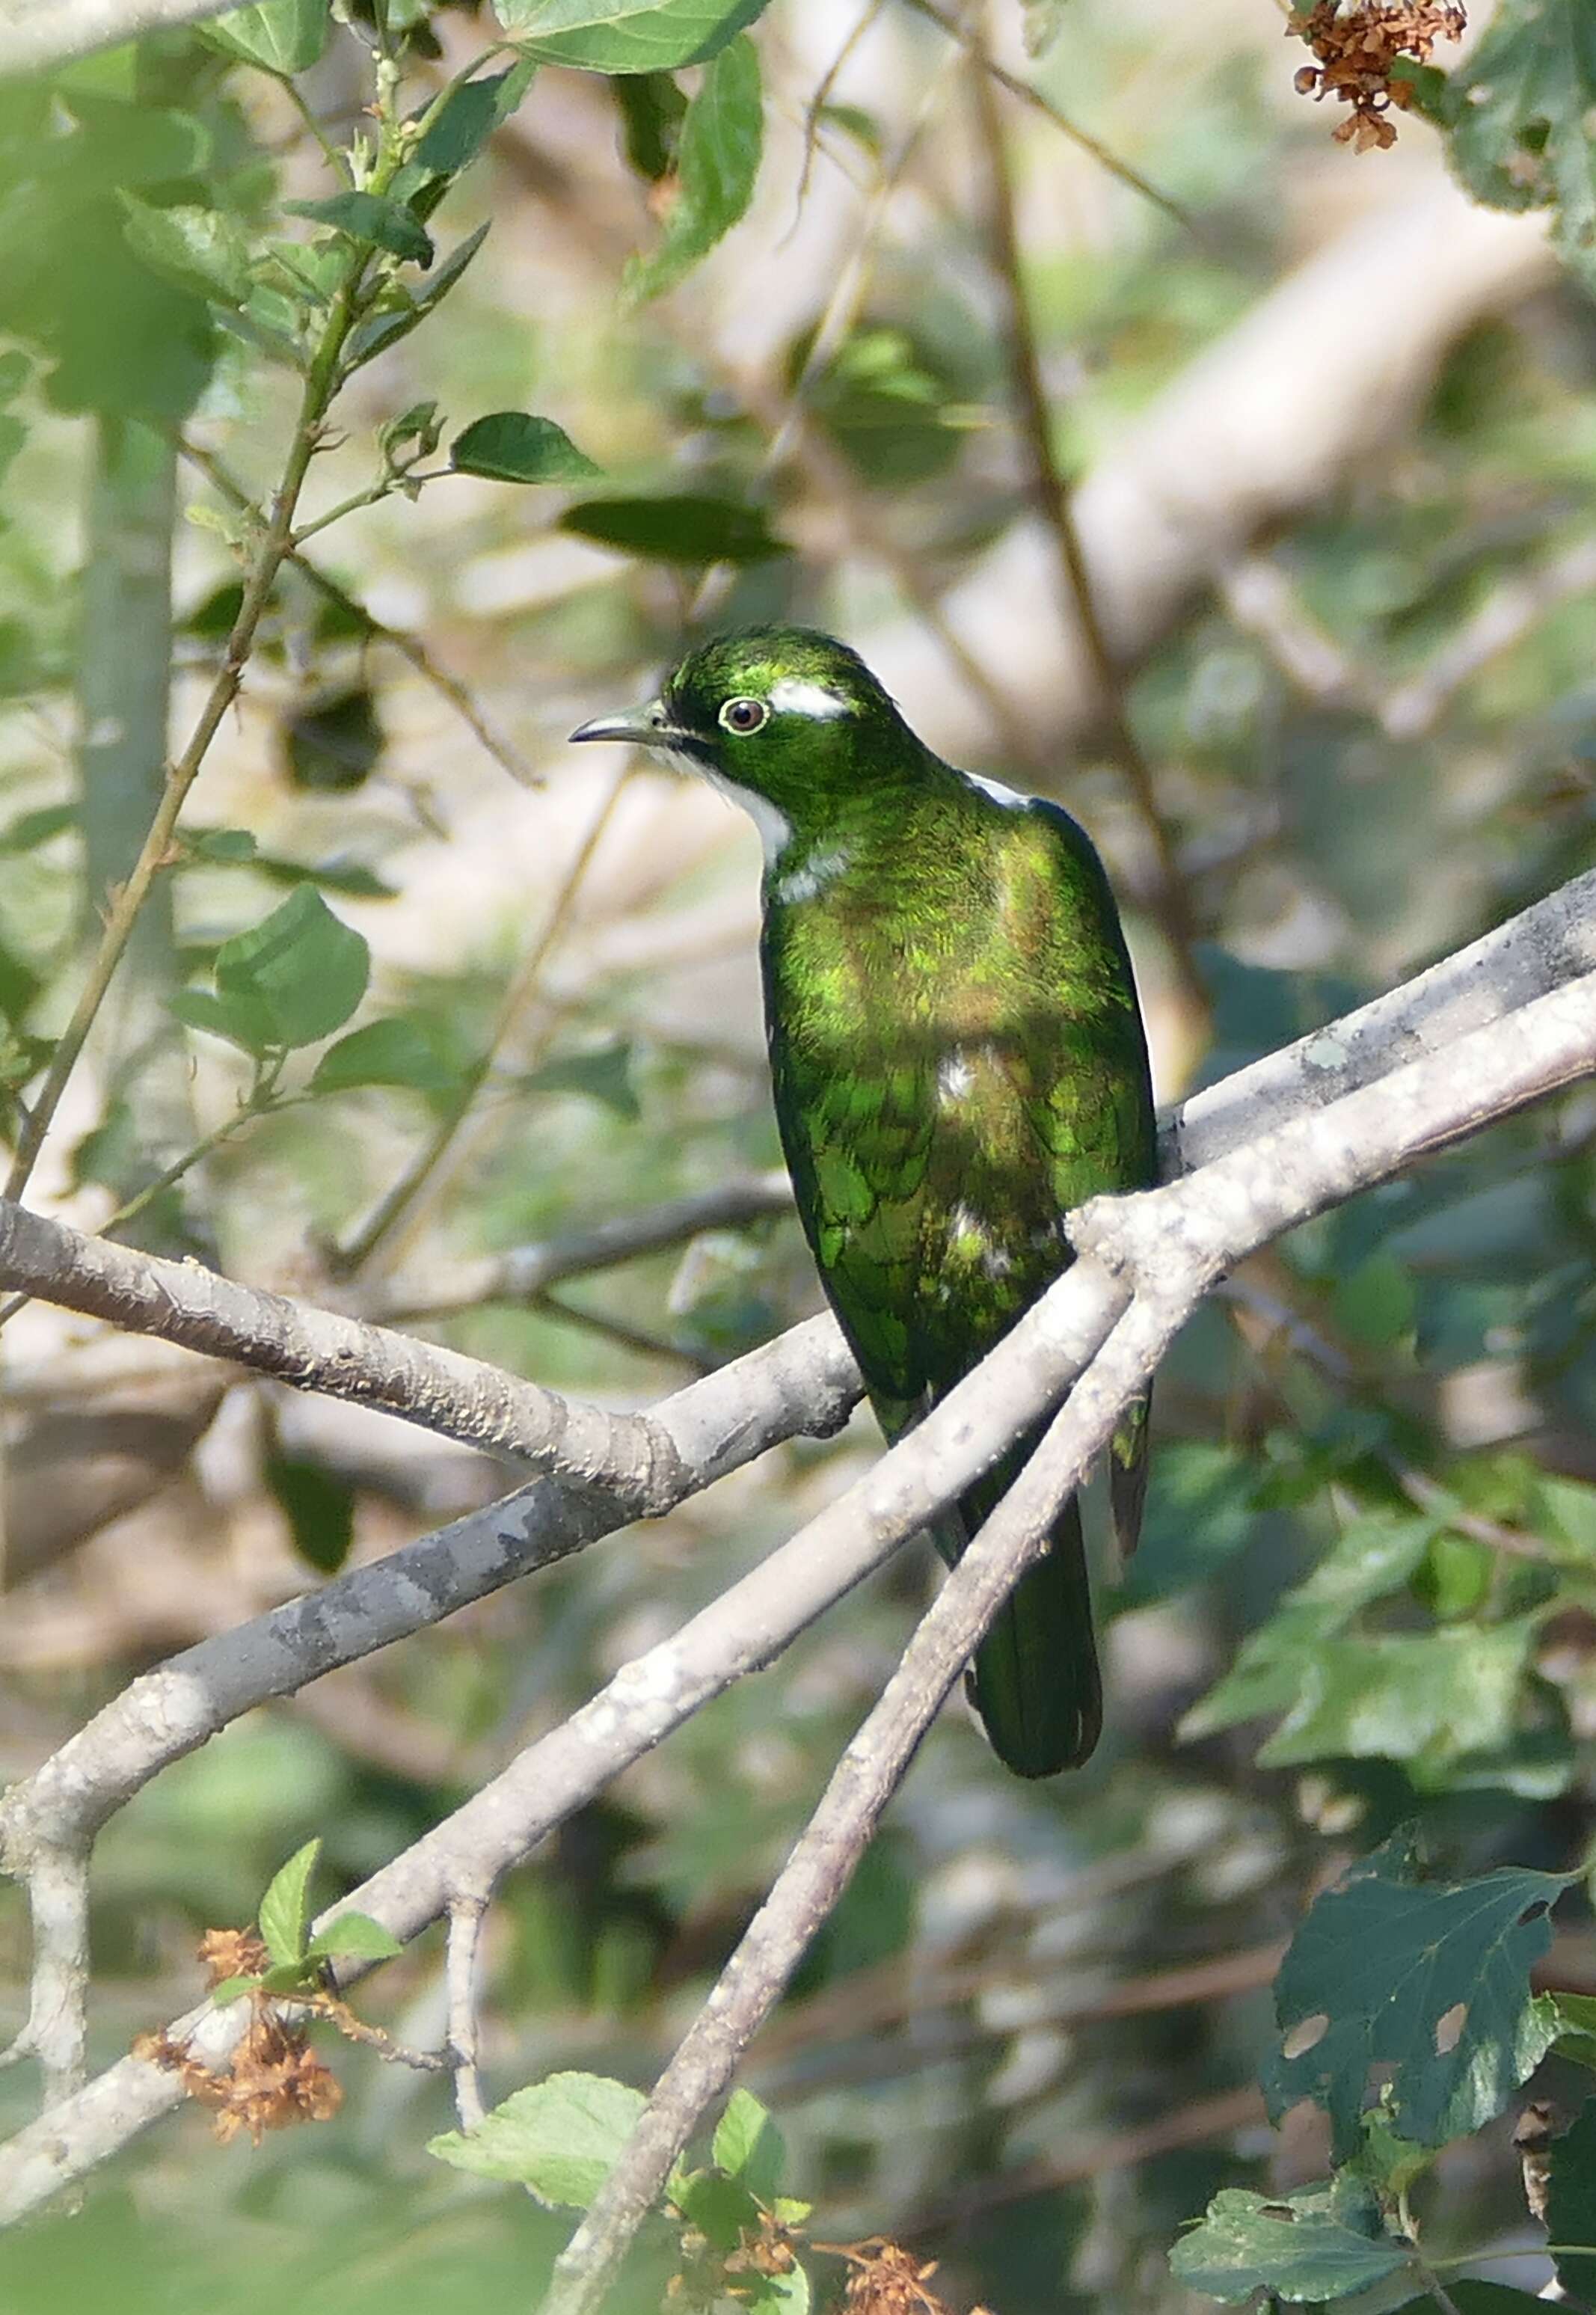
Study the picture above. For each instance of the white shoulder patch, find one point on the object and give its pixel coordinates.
(791, 696)
(1009, 798)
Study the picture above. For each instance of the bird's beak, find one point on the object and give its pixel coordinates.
(641, 727)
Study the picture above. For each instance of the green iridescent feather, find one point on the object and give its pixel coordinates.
(958, 1059)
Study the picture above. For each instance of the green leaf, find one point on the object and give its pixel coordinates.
(1374, 1302)
(232, 1989)
(285, 1908)
(687, 527)
(199, 248)
(335, 875)
(227, 848)
(319, 1507)
(1201, 1507)
(1430, 1978)
(12, 435)
(717, 160)
(605, 1076)
(509, 445)
(124, 145)
(289, 1976)
(561, 2137)
(398, 1050)
(30, 829)
(283, 36)
(723, 2209)
(1423, 1698)
(626, 36)
(239, 1019)
(782, 2294)
(15, 370)
(747, 2145)
(468, 117)
(391, 322)
(373, 219)
(302, 967)
(1571, 2204)
(1375, 1555)
(356, 1937)
(1518, 109)
(1573, 2024)
(1322, 2242)
(333, 742)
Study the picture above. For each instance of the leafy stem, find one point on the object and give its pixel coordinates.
(324, 376)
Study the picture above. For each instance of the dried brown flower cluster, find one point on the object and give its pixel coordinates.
(886, 2278)
(1356, 46)
(273, 2077)
(708, 2276)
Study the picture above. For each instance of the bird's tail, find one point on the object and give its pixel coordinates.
(1035, 1681)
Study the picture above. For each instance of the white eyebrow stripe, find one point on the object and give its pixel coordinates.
(1009, 798)
(791, 696)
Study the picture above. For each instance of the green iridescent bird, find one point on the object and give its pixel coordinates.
(958, 1060)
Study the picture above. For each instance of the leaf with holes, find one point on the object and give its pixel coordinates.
(1430, 1978)
(717, 160)
(1518, 110)
(1319, 2243)
(561, 2137)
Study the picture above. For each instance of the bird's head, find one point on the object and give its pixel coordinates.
(787, 720)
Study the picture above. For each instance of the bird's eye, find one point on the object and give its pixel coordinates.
(744, 715)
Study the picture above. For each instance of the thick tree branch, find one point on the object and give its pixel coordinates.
(344, 1358)
(805, 1381)
(1166, 1248)
(1172, 1245)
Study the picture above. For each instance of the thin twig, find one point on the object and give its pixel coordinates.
(1052, 497)
(321, 381)
(410, 647)
(424, 1174)
(439, 1389)
(839, 314)
(635, 1339)
(1101, 154)
(467, 1915)
(527, 1270)
(1503, 619)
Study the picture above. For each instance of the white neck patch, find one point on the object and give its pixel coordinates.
(791, 696)
(775, 830)
(1009, 798)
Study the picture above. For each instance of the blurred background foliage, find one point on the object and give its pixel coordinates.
(1027, 2042)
